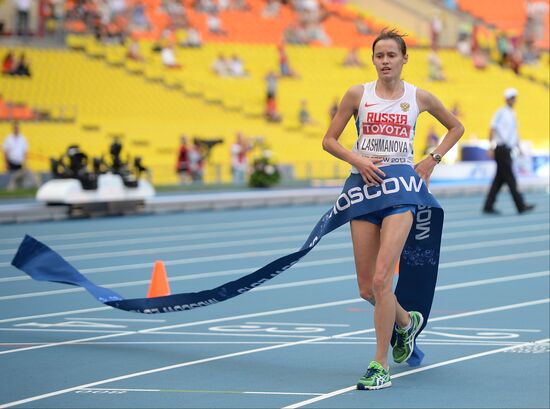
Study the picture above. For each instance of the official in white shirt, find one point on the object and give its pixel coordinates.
(15, 154)
(504, 136)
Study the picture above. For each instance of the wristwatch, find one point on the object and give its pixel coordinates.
(436, 156)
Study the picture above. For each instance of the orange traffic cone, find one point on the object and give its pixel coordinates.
(159, 281)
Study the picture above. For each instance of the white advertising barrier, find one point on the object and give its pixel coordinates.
(110, 188)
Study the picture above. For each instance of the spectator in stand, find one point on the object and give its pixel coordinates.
(271, 85)
(304, 117)
(168, 58)
(284, 66)
(436, 27)
(22, 67)
(435, 68)
(204, 6)
(134, 53)
(138, 19)
(463, 43)
(177, 13)
(8, 63)
(479, 59)
(515, 58)
(196, 162)
(352, 58)
(294, 34)
(15, 155)
(236, 67)
(315, 32)
(214, 23)
(224, 5)
(474, 38)
(104, 13)
(241, 5)
(194, 39)
(182, 165)
(221, 65)
(271, 9)
(239, 160)
(23, 8)
(361, 26)
(503, 48)
(537, 11)
(271, 113)
(118, 8)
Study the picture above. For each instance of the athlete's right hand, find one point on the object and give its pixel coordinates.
(372, 174)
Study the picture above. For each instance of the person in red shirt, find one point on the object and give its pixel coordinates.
(8, 63)
(182, 165)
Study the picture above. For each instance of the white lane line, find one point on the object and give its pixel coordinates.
(367, 341)
(259, 223)
(185, 343)
(413, 371)
(483, 260)
(54, 314)
(494, 259)
(486, 329)
(201, 246)
(303, 227)
(201, 391)
(349, 340)
(178, 238)
(156, 370)
(352, 341)
(303, 308)
(232, 334)
(248, 352)
(439, 288)
(189, 260)
(221, 273)
(492, 280)
(283, 285)
(458, 315)
(307, 324)
(189, 324)
(74, 341)
(188, 247)
(96, 331)
(495, 243)
(119, 389)
(193, 260)
(497, 231)
(495, 309)
(113, 319)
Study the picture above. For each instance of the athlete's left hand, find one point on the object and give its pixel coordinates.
(424, 168)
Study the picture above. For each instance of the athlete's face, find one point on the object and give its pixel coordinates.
(388, 59)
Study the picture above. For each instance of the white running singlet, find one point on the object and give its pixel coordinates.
(385, 128)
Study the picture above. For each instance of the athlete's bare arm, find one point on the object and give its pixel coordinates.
(428, 102)
(347, 108)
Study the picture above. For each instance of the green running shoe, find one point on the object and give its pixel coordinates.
(404, 344)
(376, 377)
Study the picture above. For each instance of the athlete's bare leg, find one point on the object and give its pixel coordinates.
(393, 235)
(366, 242)
(366, 245)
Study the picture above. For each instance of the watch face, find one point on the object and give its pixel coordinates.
(437, 157)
